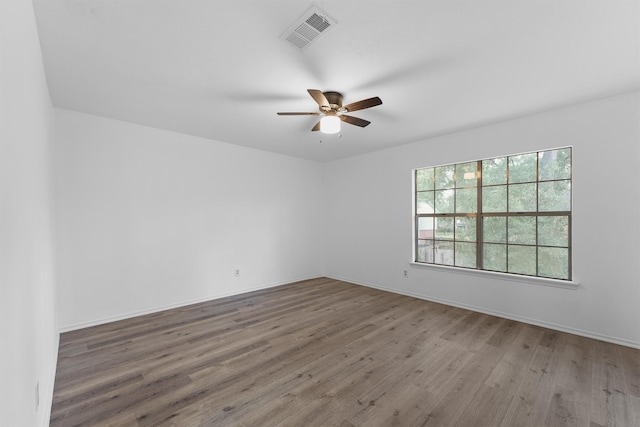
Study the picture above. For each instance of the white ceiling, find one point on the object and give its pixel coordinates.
(218, 68)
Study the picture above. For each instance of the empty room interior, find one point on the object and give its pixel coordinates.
(332, 213)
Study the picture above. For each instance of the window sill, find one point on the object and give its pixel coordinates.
(572, 285)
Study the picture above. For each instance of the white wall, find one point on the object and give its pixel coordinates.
(150, 219)
(28, 349)
(369, 219)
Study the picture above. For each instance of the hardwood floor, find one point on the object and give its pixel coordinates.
(329, 353)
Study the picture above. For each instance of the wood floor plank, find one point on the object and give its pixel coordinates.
(488, 408)
(509, 373)
(323, 352)
(506, 333)
(284, 358)
(463, 387)
(570, 405)
(614, 384)
(318, 368)
(534, 395)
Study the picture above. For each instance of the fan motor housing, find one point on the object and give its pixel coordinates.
(335, 100)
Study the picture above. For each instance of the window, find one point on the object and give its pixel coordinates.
(508, 214)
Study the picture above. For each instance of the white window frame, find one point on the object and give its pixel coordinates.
(569, 283)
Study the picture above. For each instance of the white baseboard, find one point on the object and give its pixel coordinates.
(510, 316)
(151, 310)
(46, 400)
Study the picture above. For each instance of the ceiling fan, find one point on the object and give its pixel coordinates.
(332, 111)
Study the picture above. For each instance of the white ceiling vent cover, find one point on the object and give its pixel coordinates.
(305, 30)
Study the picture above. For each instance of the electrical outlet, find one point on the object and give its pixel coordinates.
(37, 396)
(237, 272)
(405, 273)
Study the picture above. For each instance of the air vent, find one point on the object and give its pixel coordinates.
(308, 28)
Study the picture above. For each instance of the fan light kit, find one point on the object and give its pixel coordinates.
(330, 124)
(332, 111)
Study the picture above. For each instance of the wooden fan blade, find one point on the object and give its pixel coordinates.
(354, 121)
(316, 127)
(298, 114)
(365, 103)
(319, 97)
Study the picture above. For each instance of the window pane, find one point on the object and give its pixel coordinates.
(494, 257)
(424, 202)
(425, 228)
(424, 251)
(466, 174)
(494, 199)
(555, 196)
(554, 164)
(466, 228)
(522, 198)
(444, 176)
(522, 230)
(445, 201)
(444, 228)
(495, 229)
(553, 262)
(494, 171)
(424, 179)
(522, 259)
(443, 253)
(466, 254)
(522, 168)
(525, 214)
(467, 200)
(553, 231)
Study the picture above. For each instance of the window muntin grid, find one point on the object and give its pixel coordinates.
(509, 214)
